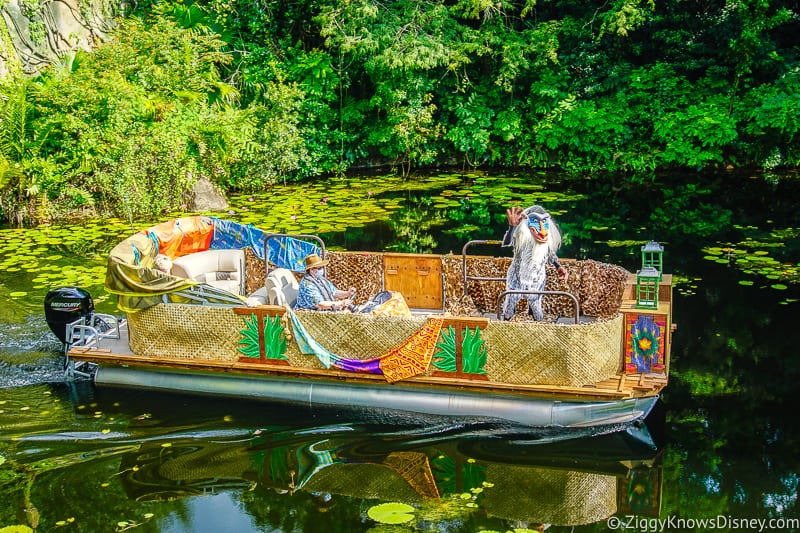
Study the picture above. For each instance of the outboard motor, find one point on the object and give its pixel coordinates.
(65, 305)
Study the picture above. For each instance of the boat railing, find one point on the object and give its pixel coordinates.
(90, 330)
(466, 277)
(206, 295)
(87, 332)
(503, 295)
(290, 236)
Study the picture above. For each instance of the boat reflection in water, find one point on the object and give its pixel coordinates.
(516, 477)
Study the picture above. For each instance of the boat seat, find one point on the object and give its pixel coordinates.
(282, 287)
(223, 269)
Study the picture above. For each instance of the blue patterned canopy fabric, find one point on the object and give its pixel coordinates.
(283, 252)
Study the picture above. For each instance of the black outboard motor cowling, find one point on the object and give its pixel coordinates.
(65, 305)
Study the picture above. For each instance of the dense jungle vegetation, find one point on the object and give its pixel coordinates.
(250, 92)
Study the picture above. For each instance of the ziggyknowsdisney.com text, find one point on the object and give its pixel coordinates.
(722, 522)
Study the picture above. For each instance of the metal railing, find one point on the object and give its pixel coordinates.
(293, 236)
(503, 295)
(467, 277)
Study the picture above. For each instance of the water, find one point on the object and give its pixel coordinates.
(721, 446)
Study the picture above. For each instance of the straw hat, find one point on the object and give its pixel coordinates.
(315, 261)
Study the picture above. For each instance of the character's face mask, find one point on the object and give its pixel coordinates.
(539, 226)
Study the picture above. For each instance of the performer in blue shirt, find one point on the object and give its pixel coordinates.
(316, 292)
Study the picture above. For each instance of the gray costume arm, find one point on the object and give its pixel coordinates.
(553, 259)
(508, 235)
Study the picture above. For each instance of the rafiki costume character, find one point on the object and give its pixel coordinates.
(535, 238)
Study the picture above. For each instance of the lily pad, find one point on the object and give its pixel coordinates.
(391, 513)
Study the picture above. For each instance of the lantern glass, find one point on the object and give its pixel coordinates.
(653, 257)
(647, 288)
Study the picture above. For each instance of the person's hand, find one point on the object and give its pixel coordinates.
(514, 216)
(563, 273)
(351, 292)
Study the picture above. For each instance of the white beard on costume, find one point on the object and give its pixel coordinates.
(527, 271)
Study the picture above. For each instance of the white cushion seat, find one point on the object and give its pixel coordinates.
(282, 287)
(223, 269)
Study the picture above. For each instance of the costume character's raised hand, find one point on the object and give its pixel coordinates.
(514, 215)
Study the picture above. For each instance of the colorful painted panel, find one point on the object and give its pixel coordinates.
(472, 351)
(269, 341)
(645, 342)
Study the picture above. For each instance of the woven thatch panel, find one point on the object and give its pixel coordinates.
(557, 306)
(553, 354)
(358, 336)
(456, 302)
(364, 271)
(518, 352)
(207, 333)
(549, 496)
(597, 286)
(254, 271)
(602, 286)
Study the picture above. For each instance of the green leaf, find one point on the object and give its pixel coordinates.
(445, 357)
(274, 338)
(473, 351)
(391, 513)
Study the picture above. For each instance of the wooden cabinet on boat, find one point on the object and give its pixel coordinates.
(417, 277)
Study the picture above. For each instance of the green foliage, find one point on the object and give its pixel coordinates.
(250, 94)
(473, 351)
(445, 358)
(626, 16)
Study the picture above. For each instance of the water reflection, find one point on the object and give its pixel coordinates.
(548, 485)
(162, 454)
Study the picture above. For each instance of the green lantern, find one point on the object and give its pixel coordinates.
(647, 288)
(653, 256)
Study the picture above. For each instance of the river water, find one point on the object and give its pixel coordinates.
(720, 451)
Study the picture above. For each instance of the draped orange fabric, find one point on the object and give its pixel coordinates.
(183, 235)
(413, 357)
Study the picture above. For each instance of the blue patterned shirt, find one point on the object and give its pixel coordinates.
(313, 291)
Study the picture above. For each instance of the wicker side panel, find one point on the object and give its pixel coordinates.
(481, 295)
(360, 270)
(254, 271)
(455, 301)
(358, 336)
(602, 287)
(181, 331)
(549, 496)
(553, 354)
